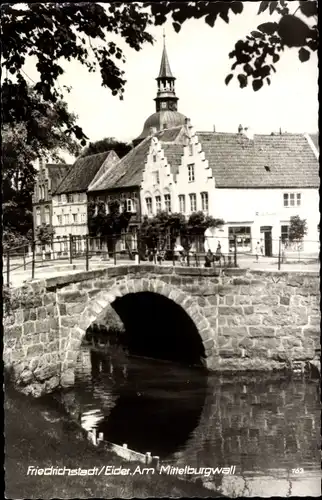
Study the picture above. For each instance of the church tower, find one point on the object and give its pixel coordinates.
(166, 97)
(166, 102)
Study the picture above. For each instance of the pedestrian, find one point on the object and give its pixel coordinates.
(209, 258)
(218, 252)
(258, 250)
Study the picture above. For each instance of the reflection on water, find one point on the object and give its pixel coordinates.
(264, 425)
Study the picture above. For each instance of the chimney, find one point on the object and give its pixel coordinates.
(240, 129)
(280, 130)
(153, 130)
(248, 133)
(214, 127)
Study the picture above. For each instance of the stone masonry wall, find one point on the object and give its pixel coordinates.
(247, 320)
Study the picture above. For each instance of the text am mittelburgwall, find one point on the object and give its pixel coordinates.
(205, 471)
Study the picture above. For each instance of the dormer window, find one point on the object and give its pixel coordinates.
(191, 172)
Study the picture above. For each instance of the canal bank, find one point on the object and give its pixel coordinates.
(39, 435)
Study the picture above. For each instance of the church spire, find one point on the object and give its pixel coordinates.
(165, 71)
(166, 97)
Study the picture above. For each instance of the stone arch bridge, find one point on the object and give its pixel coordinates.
(244, 320)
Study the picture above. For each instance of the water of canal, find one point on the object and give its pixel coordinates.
(268, 426)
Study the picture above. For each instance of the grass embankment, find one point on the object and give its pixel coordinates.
(38, 435)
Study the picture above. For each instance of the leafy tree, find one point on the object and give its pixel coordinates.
(12, 240)
(254, 57)
(157, 231)
(55, 32)
(164, 228)
(107, 224)
(107, 144)
(45, 234)
(297, 231)
(20, 148)
(195, 228)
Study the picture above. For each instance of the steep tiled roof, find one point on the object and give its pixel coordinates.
(285, 160)
(173, 154)
(81, 173)
(128, 171)
(56, 172)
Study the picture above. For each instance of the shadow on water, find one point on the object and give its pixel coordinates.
(158, 407)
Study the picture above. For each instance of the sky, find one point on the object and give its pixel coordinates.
(199, 60)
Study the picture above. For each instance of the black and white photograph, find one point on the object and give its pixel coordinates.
(161, 249)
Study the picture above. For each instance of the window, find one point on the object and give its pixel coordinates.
(82, 217)
(182, 203)
(163, 105)
(167, 202)
(190, 146)
(158, 203)
(243, 238)
(59, 219)
(59, 198)
(38, 217)
(191, 172)
(66, 218)
(298, 199)
(154, 158)
(129, 205)
(47, 215)
(70, 198)
(148, 202)
(193, 202)
(292, 199)
(156, 177)
(204, 202)
(284, 233)
(76, 198)
(75, 218)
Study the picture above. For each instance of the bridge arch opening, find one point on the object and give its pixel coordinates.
(156, 327)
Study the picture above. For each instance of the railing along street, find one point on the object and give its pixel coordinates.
(88, 252)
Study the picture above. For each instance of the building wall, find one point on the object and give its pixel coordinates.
(41, 198)
(239, 208)
(77, 206)
(160, 179)
(131, 198)
(256, 208)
